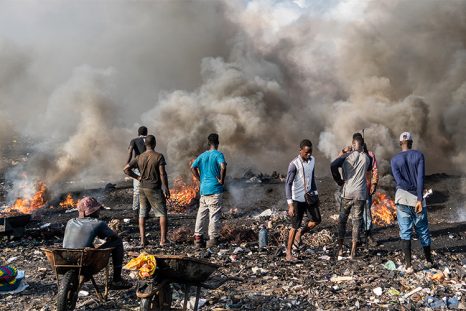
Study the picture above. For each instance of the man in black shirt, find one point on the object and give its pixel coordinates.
(136, 147)
(81, 232)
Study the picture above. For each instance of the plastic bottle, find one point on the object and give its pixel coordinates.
(263, 237)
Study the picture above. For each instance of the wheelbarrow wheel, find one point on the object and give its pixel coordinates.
(153, 303)
(68, 291)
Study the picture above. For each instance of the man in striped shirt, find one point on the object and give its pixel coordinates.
(299, 181)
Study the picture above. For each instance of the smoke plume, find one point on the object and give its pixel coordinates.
(325, 73)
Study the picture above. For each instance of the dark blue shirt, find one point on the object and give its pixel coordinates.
(408, 170)
(208, 164)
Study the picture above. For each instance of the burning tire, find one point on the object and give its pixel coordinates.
(68, 291)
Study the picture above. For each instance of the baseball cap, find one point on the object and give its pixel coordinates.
(406, 136)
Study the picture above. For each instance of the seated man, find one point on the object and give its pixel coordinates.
(80, 233)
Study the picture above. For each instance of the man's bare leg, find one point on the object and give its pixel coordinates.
(142, 230)
(353, 249)
(300, 232)
(340, 248)
(163, 230)
(291, 237)
(297, 237)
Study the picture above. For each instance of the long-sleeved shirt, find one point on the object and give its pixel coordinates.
(408, 169)
(354, 166)
(297, 171)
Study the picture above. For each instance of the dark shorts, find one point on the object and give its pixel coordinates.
(152, 199)
(312, 213)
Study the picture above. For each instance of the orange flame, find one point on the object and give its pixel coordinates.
(383, 210)
(68, 202)
(182, 195)
(29, 205)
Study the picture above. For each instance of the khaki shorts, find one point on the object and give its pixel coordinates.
(152, 199)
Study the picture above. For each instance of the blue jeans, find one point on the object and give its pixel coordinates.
(408, 218)
(367, 215)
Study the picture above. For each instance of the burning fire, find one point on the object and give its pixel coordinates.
(383, 210)
(31, 204)
(69, 202)
(182, 195)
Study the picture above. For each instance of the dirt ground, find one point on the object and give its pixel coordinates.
(268, 282)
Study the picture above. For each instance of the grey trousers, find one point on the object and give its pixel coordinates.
(345, 209)
(210, 210)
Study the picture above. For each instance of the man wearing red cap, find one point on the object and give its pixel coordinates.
(81, 232)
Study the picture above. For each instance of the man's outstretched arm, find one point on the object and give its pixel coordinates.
(223, 173)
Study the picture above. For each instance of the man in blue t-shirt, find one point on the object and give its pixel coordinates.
(210, 169)
(408, 170)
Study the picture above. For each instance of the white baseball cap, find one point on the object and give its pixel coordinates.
(406, 136)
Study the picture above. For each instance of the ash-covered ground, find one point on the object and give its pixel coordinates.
(319, 282)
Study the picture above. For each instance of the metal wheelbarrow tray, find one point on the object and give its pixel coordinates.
(76, 267)
(186, 271)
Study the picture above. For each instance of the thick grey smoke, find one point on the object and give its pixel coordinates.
(80, 77)
(307, 69)
(245, 108)
(77, 76)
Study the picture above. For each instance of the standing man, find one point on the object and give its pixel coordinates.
(300, 182)
(210, 169)
(136, 147)
(408, 171)
(354, 166)
(154, 187)
(372, 179)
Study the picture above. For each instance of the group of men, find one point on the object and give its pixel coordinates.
(358, 180)
(150, 184)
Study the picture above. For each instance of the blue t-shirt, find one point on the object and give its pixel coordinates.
(208, 164)
(408, 171)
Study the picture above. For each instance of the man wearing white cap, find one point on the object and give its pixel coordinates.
(408, 170)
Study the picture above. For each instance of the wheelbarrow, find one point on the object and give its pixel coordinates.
(77, 266)
(156, 293)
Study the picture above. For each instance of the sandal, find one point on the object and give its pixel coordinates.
(296, 248)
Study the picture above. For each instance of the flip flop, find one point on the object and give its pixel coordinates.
(296, 260)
